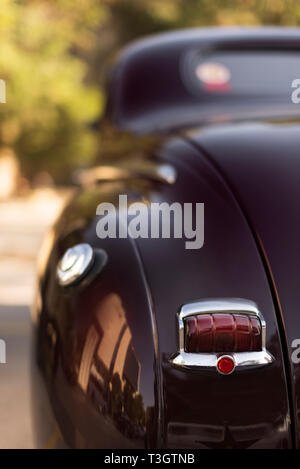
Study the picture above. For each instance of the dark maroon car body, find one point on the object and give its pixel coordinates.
(239, 154)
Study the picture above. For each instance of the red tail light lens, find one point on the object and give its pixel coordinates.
(213, 333)
(225, 365)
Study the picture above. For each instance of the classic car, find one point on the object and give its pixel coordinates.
(148, 340)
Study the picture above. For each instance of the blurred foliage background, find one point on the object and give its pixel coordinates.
(54, 56)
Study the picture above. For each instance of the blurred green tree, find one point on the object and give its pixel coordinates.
(49, 105)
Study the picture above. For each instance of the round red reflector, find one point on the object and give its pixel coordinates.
(225, 365)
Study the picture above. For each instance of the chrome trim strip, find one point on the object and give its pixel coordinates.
(164, 173)
(209, 360)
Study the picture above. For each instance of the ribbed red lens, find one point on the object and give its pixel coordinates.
(224, 332)
(214, 333)
(225, 365)
(206, 338)
(256, 334)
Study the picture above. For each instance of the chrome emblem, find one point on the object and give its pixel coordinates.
(75, 264)
(244, 345)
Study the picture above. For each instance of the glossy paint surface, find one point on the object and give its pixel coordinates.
(228, 265)
(263, 166)
(96, 345)
(88, 402)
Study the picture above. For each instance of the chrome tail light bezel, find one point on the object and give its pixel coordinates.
(198, 361)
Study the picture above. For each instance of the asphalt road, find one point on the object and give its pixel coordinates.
(23, 223)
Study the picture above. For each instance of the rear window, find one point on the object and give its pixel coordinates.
(242, 72)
